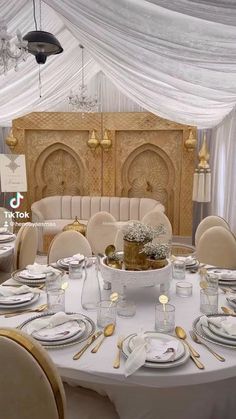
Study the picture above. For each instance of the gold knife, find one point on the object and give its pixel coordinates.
(89, 342)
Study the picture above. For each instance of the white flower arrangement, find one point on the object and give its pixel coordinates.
(156, 250)
(139, 232)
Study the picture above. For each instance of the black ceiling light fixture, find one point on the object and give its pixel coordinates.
(41, 44)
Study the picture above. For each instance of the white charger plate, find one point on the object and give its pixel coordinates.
(10, 239)
(89, 330)
(161, 337)
(74, 327)
(25, 274)
(172, 364)
(220, 332)
(17, 298)
(22, 304)
(205, 333)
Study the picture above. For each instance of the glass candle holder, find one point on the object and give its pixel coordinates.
(165, 318)
(184, 289)
(75, 269)
(178, 269)
(209, 301)
(106, 313)
(56, 300)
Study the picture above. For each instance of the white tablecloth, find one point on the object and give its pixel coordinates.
(6, 256)
(183, 392)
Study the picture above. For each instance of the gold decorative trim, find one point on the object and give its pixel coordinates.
(29, 345)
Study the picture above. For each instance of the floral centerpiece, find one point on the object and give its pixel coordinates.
(156, 254)
(136, 235)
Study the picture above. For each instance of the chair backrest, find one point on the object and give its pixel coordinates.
(208, 222)
(26, 245)
(155, 218)
(6, 219)
(101, 231)
(30, 386)
(217, 247)
(67, 244)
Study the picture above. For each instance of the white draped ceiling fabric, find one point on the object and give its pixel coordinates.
(176, 59)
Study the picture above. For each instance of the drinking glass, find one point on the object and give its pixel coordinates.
(209, 301)
(184, 289)
(125, 307)
(91, 294)
(106, 313)
(75, 269)
(165, 318)
(178, 267)
(53, 280)
(56, 300)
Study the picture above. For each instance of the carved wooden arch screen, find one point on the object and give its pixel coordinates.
(149, 172)
(58, 171)
(147, 158)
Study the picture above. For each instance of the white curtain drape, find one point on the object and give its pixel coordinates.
(223, 152)
(176, 59)
(173, 64)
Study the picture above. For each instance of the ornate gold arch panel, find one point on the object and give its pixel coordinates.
(147, 159)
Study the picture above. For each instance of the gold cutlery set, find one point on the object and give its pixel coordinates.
(194, 355)
(108, 331)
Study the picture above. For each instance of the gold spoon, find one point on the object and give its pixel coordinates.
(31, 310)
(182, 335)
(228, 310)
(108, 331)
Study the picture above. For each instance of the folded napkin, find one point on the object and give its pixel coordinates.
(77, 257)
(228, 324)
(156, 350)
(8, 291)
(5, 236)
(3, 230)
(37, 269)
(50, 322)
(227, 275)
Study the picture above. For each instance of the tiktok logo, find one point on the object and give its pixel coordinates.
(15, 202)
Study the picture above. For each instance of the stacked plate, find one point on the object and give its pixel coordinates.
(206, 330)
(190, 261)
(226, 277)
(179, 358)
(24, 276)
(66, 334)
(64, 263)
(18, 300)
(7, 237)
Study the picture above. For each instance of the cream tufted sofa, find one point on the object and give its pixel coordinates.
(57, 211)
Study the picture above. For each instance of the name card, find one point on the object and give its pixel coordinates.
(13, 173)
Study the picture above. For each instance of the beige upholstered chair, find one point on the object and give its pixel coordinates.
(6, 220)
(30, 386)
(67, 244)
(101, 231)
(155, 218)
(217, 247)
(26, 244)
(208, 222)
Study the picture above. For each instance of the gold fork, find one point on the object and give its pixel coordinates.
(116, 363)
(30, 310)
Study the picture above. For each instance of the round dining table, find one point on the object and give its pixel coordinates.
(183, 392)
(6, 256)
